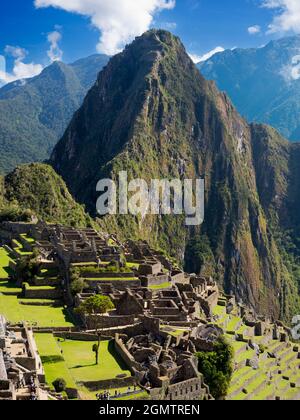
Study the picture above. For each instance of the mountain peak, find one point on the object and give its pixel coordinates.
(153, 115)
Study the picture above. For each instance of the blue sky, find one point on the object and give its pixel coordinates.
(104, 26)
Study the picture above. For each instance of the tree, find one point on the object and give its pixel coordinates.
(94, 306)
(28, 268)
(59, 384)
(77, 286)
(216, 367)
(96, 351)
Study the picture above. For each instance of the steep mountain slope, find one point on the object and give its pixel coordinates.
(263, 83)
(36, 190)
(34, 113)
(152, 113)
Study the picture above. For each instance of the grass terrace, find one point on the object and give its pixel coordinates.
(166, 285)
(40, 288)
(80, 361)
(42, 316)
(86, 264)
(277, 376)
(28, 239)
(53, 361)
(133, 265)
(4, 264)
(18, 247)
(75, 362)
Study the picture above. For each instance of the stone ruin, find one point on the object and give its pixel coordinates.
(21, 370)
(164, 365)
(160, 316)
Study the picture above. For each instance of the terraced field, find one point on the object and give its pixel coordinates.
(265, 369)
(39, 312)
(75, 362)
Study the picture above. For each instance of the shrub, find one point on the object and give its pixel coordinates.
(77, 286)
(60, 385)
(28, 268)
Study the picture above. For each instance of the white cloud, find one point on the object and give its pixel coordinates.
(119, 21)
(287, 17)
(54, 53)
(20, 70)
(23, 70)
(253, 30)
(199, 58)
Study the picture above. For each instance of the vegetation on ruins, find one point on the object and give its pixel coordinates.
(27, 268)
(96, 305)
(77, 286)
(93, 306)
(217, 367)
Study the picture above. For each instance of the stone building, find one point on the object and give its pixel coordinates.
(21, 370)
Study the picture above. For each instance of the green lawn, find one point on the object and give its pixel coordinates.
(9, 287)
(43, 316)
(87, 394)
(4, 264)
(28, 238)
(40, 288)
(161, 286)
(219, 310)
(133, 265)
(81, 361)
(20, 249)
(53, 363)
(75, 362)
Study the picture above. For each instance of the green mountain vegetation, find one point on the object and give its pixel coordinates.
(35, 190)
(263, 83)
(34, 113)
(152, 114)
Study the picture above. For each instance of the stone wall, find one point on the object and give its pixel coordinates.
(30, 293)
(189, 390)
(89, 274)
(213, 298)
(150, 269)
(178, 276)
(125, 355)
(152, 280)
(110, 321)
(110, 384)
(118, 284)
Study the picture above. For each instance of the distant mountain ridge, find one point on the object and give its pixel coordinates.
(263, 83)
(35, 112)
